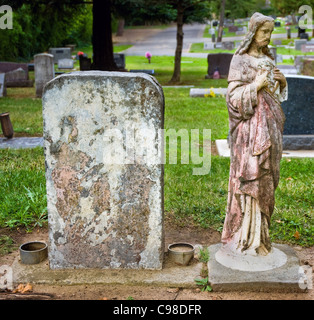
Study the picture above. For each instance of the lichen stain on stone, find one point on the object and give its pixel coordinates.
(133, 211)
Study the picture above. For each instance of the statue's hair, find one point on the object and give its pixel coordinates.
(256, 21)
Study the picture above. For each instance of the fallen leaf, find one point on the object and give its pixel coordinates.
(23, 289)
(27, 288)
(104, 298)
(19, 288)
(289, 178)
(297, 235)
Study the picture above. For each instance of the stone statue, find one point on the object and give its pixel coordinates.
(256, 89)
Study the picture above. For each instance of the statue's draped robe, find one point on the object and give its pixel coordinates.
(256, 123)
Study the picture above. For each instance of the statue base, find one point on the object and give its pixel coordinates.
(281, 271)
(250, 260)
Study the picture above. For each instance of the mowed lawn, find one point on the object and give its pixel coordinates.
(197, 199)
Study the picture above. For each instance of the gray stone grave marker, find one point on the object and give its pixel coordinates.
(298, 43)
(44, 71)
(299, 110)
(105, 199)
(60, 53)
(65, 64)
(2, 85)
(220, 61)
(119, 59)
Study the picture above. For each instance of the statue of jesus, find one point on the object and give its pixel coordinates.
(256, 89)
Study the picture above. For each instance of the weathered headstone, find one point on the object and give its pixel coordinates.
(105, 202)
(277, 42)
(228, 45)
(298, 44)
(10, 66)
(241, 31)
(18, 78)
(308, 47)
(233, 29)
(298, 109)
(119, 59)
(3, 91)
(220, 61)
(60, 53)
(44, 71)
(65, 64)
(209, 45)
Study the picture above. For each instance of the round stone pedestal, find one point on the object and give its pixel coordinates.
(250, 261)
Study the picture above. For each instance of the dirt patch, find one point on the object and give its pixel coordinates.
(173, 234)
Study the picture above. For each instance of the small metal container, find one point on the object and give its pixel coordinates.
(33, 252)
(181, 253)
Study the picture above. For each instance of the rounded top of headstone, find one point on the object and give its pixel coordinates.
(101, 75)
(43, 55)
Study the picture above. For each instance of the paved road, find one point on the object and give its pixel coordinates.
(164, 42)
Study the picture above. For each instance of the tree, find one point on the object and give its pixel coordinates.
(103, 58)
(221, 20)
(187, 11)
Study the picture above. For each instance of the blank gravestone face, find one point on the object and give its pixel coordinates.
(103, 214)
(220, 61)
(299, 108)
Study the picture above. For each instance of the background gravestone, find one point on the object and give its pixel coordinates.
(16, 74)
(220, 61)
(3, 91)
(85, 63)
(102, 214)
(298, 43)
(44, 71)
(60, 53)
(119, 59)
(299, 110)
(65, 64)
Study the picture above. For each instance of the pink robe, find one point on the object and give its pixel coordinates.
(256, 123)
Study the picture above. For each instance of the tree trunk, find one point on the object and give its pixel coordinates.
(221, 20)
(102, 37)
(177, 60)
(120, 27)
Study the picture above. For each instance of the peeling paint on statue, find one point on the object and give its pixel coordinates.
(256, 88)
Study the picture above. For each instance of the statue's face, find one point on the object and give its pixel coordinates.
(263, 34)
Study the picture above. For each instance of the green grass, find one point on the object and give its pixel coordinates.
(22, 188)
(6, 245)
(25, 110)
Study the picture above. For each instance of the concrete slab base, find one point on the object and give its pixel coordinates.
(287, 278)
(170, 276)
